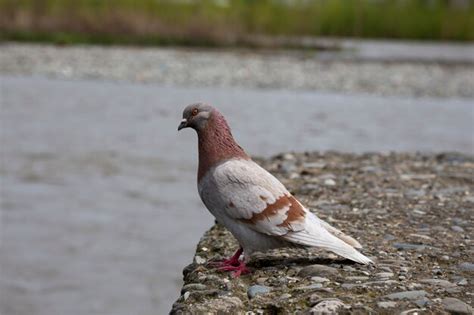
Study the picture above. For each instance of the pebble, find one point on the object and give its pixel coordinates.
(327, 306)
(193, 287)
(438, 282)
(319, 279)
(467, 266)
(424, 301)
(329, 182)
(317, 270)
(463, 281)
(384, 275)
(410, 295)
(257, 289)
(199, 260)
(408, 246)
(261, 281)
(387, 304)
(457, 228)
(357, 278)
(456, 306)
(311, 286)
(313, 299)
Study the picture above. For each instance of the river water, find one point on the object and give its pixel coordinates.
(100, 210)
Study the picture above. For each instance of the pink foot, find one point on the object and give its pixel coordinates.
(239, 270)
(232, 261)
(232, 264)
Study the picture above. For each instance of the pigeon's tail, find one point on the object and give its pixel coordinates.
(315, 234)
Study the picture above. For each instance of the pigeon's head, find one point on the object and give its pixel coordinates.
(196, 116)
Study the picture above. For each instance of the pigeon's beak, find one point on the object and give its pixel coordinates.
(183, 124)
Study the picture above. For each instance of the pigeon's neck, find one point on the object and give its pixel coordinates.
(216, 144)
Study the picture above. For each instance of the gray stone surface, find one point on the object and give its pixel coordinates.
(409, 295)
(257, 289)
(402, 281)
(456, 306)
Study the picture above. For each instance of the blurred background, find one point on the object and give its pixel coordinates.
(99, 204)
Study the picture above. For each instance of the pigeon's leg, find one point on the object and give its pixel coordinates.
(241, 269)
(232, 261)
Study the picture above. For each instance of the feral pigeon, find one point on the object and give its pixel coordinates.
(250, 202)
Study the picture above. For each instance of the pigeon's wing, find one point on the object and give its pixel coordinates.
(251, 195)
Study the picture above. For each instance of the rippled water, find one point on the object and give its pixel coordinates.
(99, 203)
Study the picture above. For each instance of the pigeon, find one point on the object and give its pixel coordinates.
(250, 202)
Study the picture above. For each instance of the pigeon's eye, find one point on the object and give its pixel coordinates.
(194, 112)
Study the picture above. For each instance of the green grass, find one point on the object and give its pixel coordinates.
(217, 23)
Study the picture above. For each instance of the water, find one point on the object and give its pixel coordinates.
(100, 209)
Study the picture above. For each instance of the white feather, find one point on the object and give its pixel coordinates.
(236, 190)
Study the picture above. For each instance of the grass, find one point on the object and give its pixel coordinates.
(230, 22)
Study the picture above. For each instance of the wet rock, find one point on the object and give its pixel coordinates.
(257, 289)
(456, 306)
(317, 270)
(409, 295)
(327, 306)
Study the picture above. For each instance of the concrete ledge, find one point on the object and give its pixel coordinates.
(413, 213)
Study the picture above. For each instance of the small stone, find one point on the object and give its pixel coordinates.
(386, 304)
(467, 266)
(317, 270)
(414, 286)
(384, 275)
(193, 287)
(257, 289)
(329, 182)
(456, 306)
(285, 296)
(349, 286)
(422, 302)
(410, 295)
(319, 279)
(408, 246)
(327, 306)
(438, 282)
(313, 299)
(261, 281)
(457, 228)
(463, 281)
(357, 278)
(199, 260)
(311, 286)
(389, 237)
(288, 167)
(186, 295)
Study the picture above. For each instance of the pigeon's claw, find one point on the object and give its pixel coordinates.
(232, 261)
(237, 271)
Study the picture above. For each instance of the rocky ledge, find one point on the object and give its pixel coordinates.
(412, 212)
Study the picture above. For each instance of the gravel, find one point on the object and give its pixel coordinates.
(368, 206)
(242, 68)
